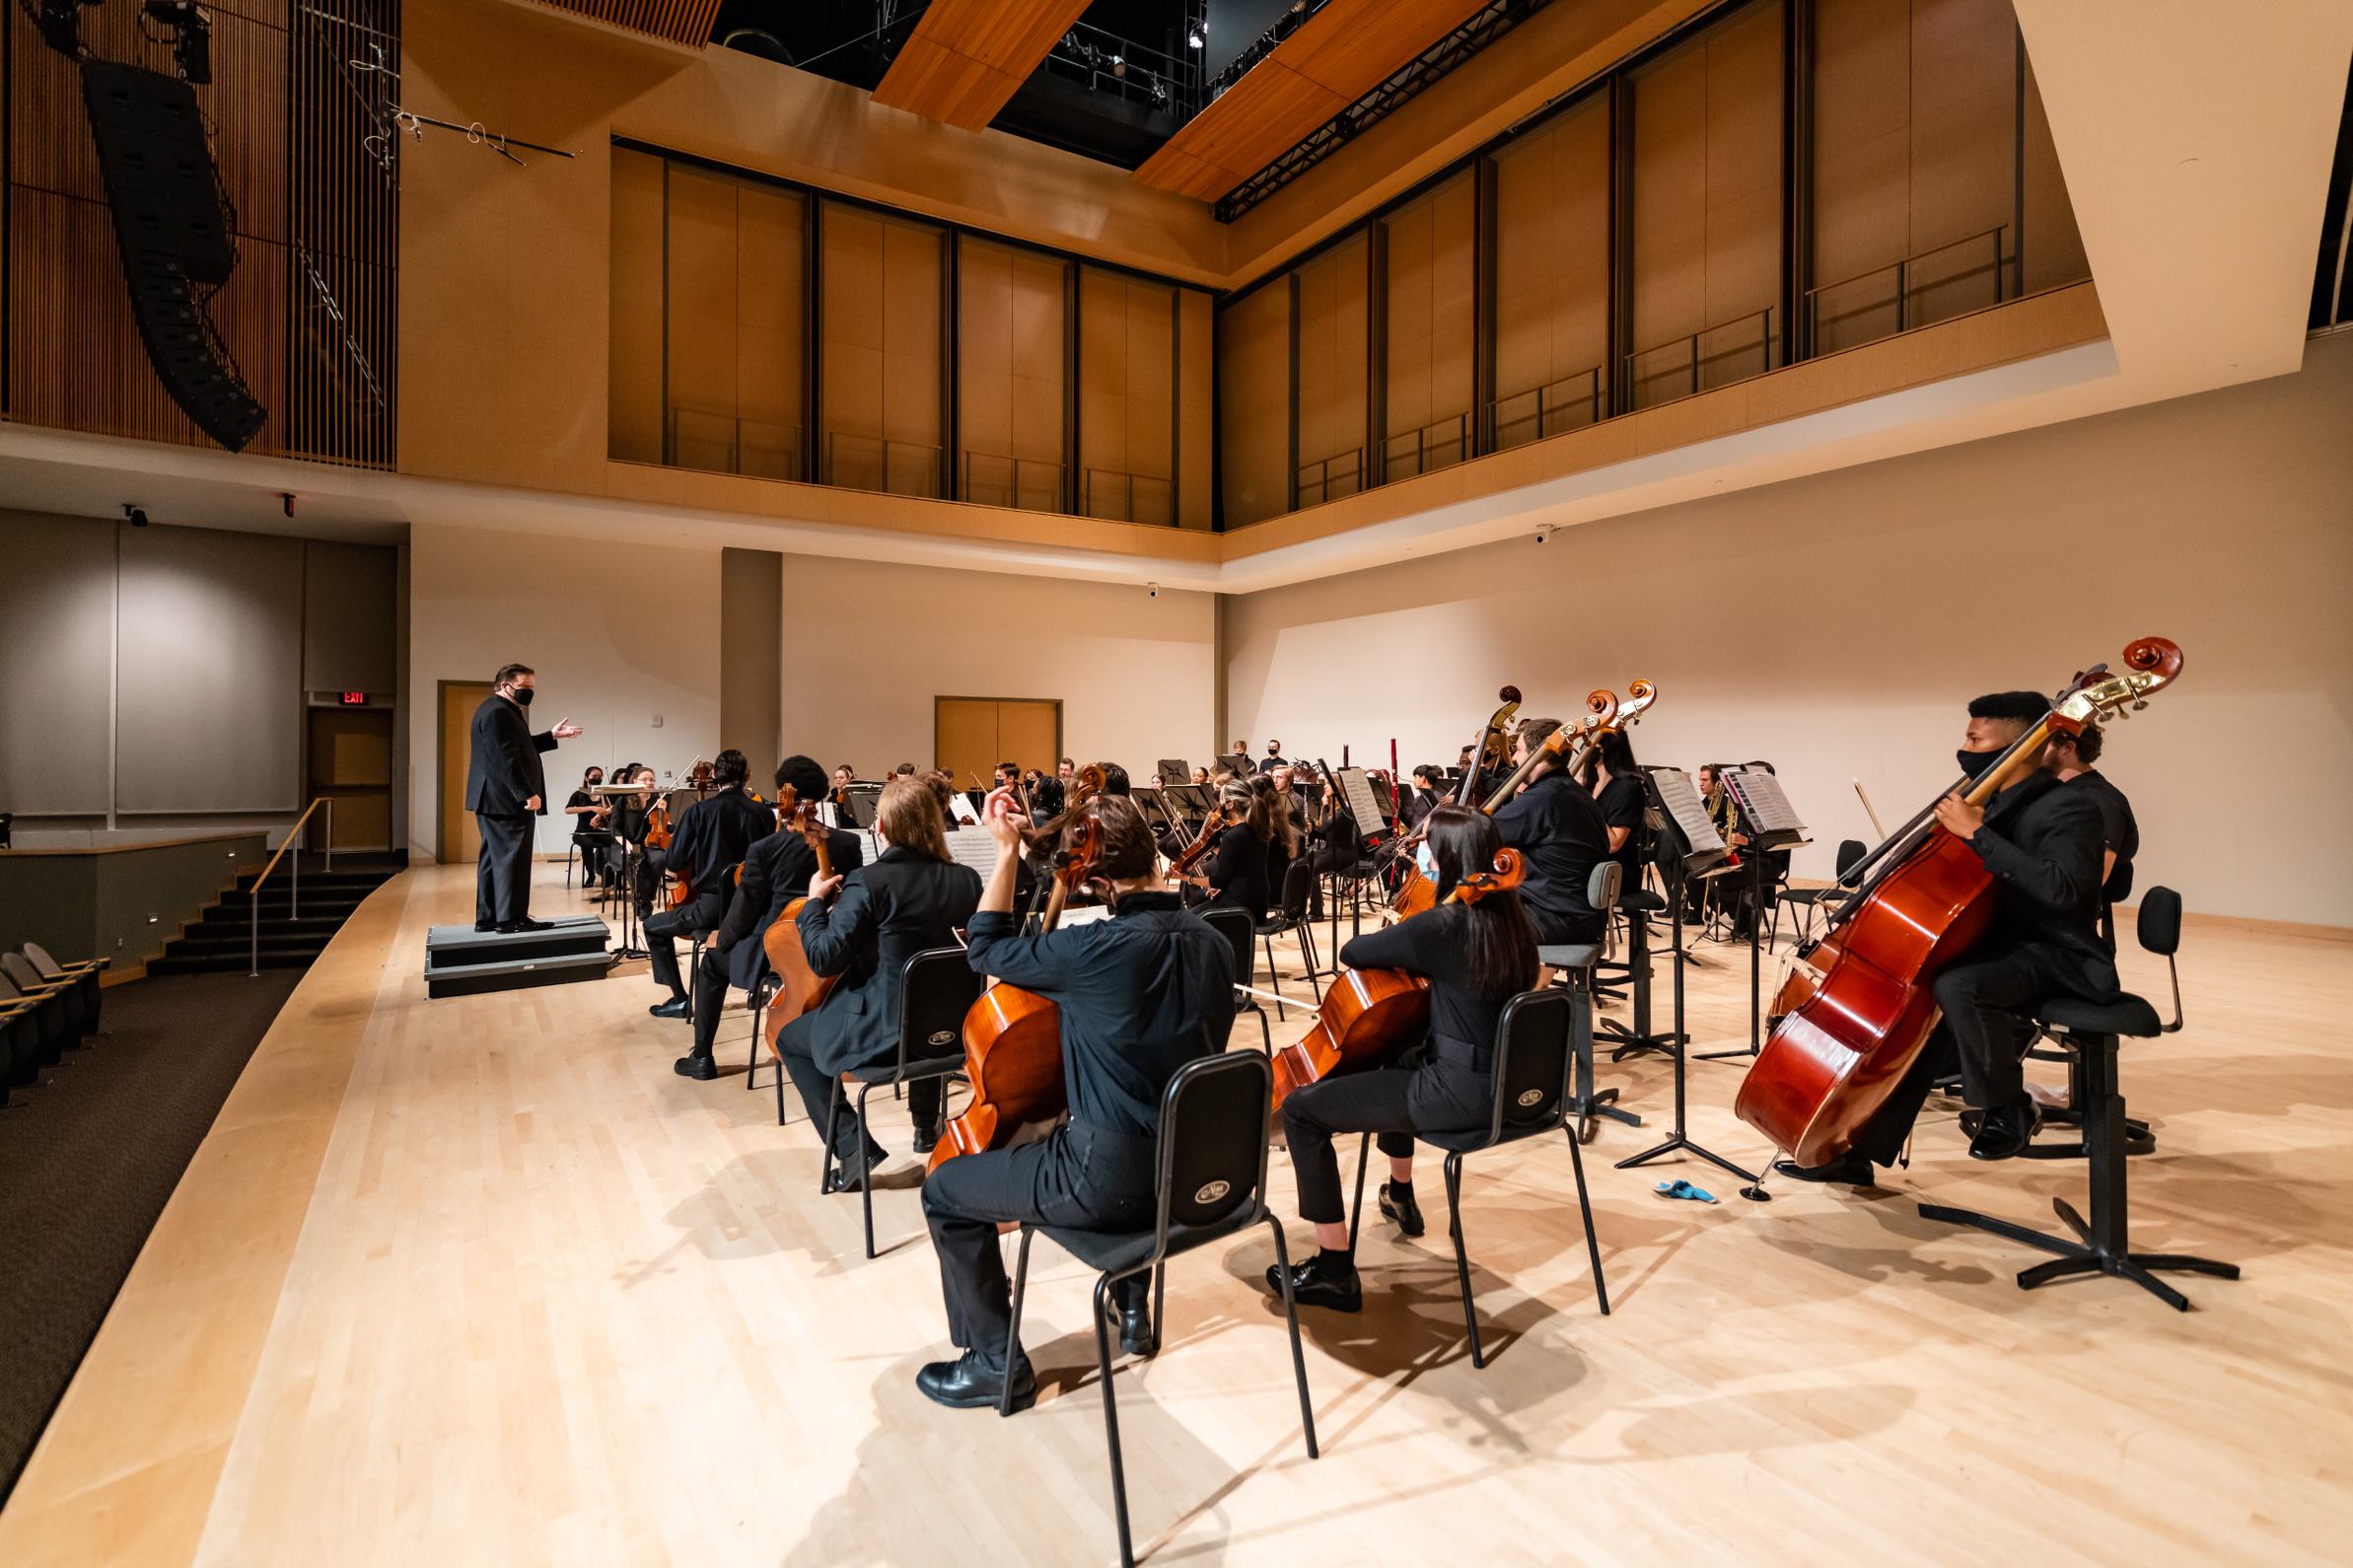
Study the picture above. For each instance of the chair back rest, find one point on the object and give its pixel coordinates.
(2160, 921)
(1236, 927)
(1532, 1061)
(939, 988)
(1850, 854)
(15, 966)
(46, 968)
(8, 989)
(1299, 881)
(1214, 1119)
(1602, 884)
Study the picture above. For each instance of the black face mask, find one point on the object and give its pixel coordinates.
(1974, 763)
(523, 696)
(594, 781)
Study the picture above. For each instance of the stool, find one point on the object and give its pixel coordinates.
(1577, 960)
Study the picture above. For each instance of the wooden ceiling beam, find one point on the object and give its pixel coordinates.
(966, 58)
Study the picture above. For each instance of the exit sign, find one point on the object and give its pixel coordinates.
(355, 699)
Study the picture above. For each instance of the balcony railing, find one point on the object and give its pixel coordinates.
(1440, 444)
(1032, 484)
(1127, 497)
(1328, 478)
(1569, 404)
(1682, 366)
(723, 443)
(876, 462)
(1906, 293)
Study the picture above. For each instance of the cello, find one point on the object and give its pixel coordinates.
(1858, 1008)
(1013, 1038)
(800, 988)
(1368, 1016)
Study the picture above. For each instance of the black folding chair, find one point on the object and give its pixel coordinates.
(2103, 1244)
(938, 990)
(1239, 930)
(1807, 900)
(1211, 1183)
(1532, 1099)
(1291, 916)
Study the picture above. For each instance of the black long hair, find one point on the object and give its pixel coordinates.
(1494, 933)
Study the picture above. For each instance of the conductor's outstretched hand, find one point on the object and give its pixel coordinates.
(565, 729)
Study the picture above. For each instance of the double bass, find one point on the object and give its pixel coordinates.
(1368, 1016)
(1858, 1007)
(1013, 1038)
(800, 988)
(1413, 893)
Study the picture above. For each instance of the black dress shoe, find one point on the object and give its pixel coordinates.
(675, 1007)
(696, 1065)
(1310, 1286)
(849, 1175)
(2005, 1131)
(927, 1136)
(527, 924)
(1850, 1168)
(485, 925)
(1396, 1203)
(1135, 1325)
(966, 1385)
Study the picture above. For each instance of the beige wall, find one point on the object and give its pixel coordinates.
(868, 645)
(617, 633)
(1837, 624)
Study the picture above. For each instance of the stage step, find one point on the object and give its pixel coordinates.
(460, 961)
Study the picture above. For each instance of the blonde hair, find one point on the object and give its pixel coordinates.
(911, 818)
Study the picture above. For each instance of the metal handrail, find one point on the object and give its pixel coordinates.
(1322, 470)
(1013, 490)
(1902, 267)
(789, 449)
(294, 906)
(884, 445)
(1690, 343)
(1423, 446)
(1497, 424)
(1128, 489)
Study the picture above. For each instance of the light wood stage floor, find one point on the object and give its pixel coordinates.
(482, 1281)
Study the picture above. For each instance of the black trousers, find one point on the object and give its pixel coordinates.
(595, 857)
(650, 863)
(1079, 1177)
(1445, 1092)
(503, 870)
(1562, 931)
(710, 996)
(795, 1044)
(702, 912)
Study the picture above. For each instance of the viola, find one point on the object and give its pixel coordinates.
(1368, 1016)
(1013, 1038)
(1857, 1008)
(800, 989)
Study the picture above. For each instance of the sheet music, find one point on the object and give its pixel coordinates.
(1356, 792)
(960, 806)
(973, 847)
(828, 813)
(1690, 812)
(1761, 800)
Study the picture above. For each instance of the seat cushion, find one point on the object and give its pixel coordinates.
(917, 1067)
(1109, 1251)
(1466, 1140)
(2127, 1015)
(1641, 898)
(1570, 956)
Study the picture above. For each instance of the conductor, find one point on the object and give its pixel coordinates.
(505, 789)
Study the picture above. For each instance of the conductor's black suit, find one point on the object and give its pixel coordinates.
(501, 777)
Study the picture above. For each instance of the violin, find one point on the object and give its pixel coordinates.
(1013, 1038)
(1212, 827)
(800, 989)
(1857, 1008)
(1368, 1015)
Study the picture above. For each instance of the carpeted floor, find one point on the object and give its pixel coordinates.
(88, 1160)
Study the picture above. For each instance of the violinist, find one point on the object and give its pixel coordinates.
(1476, 956)
(776, 870)
(1235, 878)
(705, 848)
(1554, 822)
(2041, 840)
(844, 776)
(1283, 823)
(1428, 790)
(1141, 994)
(591, 833)
(1616, 786)
(911, 898)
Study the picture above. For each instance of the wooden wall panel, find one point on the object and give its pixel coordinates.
(1196, 410)
(2050, 249)
(1126, 410)
(633, 344)
(1552, 278)
(1334, 344)
(1254, 379)
(1427, 391)
(1010, 322)
(880, 287)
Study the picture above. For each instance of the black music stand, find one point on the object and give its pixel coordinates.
(1641, 1038)
(863, 801)
(1678, 861)
(626, 815)
(1772, 826)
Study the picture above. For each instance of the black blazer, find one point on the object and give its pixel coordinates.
(776, 870)
(504, 770)
(888, 912)
(2043, 843)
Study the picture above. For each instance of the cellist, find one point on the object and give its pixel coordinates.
(1140, 995)
(1476, 956)
(2043, 843)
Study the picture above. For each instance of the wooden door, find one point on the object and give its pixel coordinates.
(351, 763)
(971, 736)
(461, 840)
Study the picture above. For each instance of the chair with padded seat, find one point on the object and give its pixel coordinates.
(1576, 962)
(72, 1009)
(44, 1013)
(2102, 1243)
(85, 975)
(1210, 1183)
(1636, 905)
(938, 989)
(1531, 1079)
(1291, 917)
(1242, 932)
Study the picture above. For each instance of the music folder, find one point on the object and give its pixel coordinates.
(1772, 821)
(1702, 847)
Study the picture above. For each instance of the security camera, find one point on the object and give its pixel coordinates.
(1152, 589)
(1546, 531)
(138, 518)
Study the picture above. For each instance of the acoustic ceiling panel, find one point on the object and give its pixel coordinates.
(966, 58)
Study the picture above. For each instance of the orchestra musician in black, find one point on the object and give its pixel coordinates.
(705, 847)
(1616, 786)
(1140, 994)
(1554, 822)
(2041, 840)
(1236, 875)
(1477, 958)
